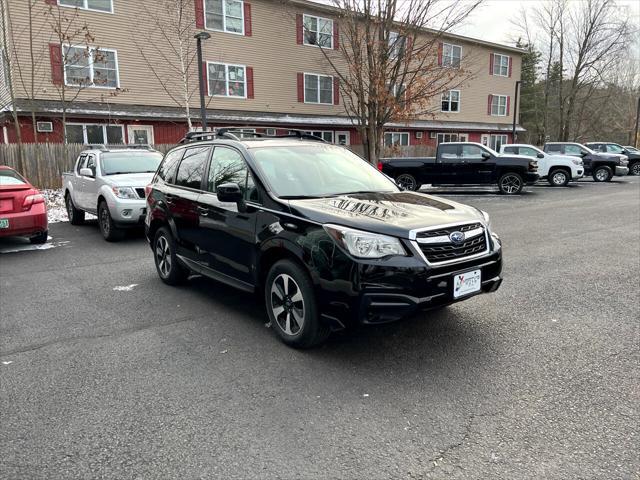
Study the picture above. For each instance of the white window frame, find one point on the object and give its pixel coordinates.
(347, 135)
(449, 101)
(224, 18)
(90, 66)
(104, 130)
(84, 6)
(498, 105)
(497, 59)
(317, 44)
(445, 137)
(131, 128)
(397, 44)
(226, 80)
(241, 131)
(399, 135)
(451, 57)
(318, 75)
(494, 137)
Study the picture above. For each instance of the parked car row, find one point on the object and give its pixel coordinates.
(516, 165)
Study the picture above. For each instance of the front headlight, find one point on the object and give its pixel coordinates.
(364, 244)
(576, 161)
(124, 192)
(487, 220)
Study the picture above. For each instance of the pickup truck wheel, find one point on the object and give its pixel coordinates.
(634, 168)
(291, 306)
(602, 174)
(559, 178)
(168, 267)
(76, 217)
(408, 182)
(109, 231)
(510, 184)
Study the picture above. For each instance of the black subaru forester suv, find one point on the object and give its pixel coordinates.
(326, 238)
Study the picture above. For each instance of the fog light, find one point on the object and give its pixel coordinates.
(126, 213)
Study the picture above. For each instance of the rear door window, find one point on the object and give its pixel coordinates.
(553, 148)
(510, 150)
(192, 167)
(167, 170)
(448, 153)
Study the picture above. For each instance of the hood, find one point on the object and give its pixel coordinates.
(517, 159)
(129, 179)
(568, 158)
(393, 214)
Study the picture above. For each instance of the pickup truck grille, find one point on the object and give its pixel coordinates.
(444, 250)
(140, 192)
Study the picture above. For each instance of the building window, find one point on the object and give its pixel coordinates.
(496, 141)
(91, 133)
(451, 137)
(91, 67)
(396, 138)
(318, 89)
(318, 31)
(396, 45)
(245, 132)
(451, 101)
(227, 80)
(325, 135)
(500, 65)
(499, 105)
(98, 5)
(224, 15)
(451, 55)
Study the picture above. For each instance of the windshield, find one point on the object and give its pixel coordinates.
(632, 149)
(9, 177)
(305, 171)
(130, 162)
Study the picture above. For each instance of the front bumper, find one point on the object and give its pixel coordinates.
(577, 174)
(531, 178)
(125, 212)
(27, 224)
(621, 171)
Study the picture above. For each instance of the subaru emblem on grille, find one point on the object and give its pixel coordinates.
(456, 237)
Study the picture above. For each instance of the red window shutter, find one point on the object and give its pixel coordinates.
(510, 58)
(491, 58)
(440, 53)
(55, 55)
(250, 82)
(508, 105)
(247, 19)
(299, 32)
(301, 87)
(336, 91)
(199, 5)
(336, 36)
(489, 104)
(205, 78)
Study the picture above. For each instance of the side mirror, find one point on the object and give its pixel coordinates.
(485, 156)
(583, 154)
(540, 155)
(229, 192)
(87, 172)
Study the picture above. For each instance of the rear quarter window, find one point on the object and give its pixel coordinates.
(510, 150)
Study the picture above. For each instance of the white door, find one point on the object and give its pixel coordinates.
(140, 134)
(343, 138)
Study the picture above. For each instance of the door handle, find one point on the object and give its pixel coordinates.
(203, 211)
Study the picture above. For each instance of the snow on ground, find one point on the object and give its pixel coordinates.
(56, 210)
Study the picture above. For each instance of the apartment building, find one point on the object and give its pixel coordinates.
(260, 71)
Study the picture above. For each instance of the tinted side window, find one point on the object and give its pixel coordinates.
(510, 150)
(169, 165)
(227, 166)
(471, 151)
(191, 169)
(553, 148)
(572, 150)
(612, 149)
(448, 152)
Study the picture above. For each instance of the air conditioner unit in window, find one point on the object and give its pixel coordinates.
(44, 127)
(270, 132)
(418, 135)
(433, 135)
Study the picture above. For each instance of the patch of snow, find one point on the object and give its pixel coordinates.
(9, 362)
(123, 288)
(25, 246)
(56, 209)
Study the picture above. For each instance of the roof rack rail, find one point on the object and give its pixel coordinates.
(229, 133)
(105, 147)
(301, 134)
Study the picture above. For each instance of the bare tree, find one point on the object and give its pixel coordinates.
(388, 62)
(171, 61)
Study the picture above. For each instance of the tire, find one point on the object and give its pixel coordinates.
(602, 174)
(634, 168)
(407, 181)
(40, 238)
(510, 183)
(167, 264)
(291, 306)
(109, 230)
(76, 217)
(559, 177)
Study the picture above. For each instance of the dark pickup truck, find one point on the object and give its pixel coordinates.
(463, 163)
(601, 166)
(608, 147)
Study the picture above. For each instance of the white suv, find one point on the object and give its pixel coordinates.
(559, 170)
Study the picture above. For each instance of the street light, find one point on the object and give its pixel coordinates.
(203, 113)
(515, 109)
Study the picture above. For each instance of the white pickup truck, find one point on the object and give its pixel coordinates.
(558, 170)
(110, 183)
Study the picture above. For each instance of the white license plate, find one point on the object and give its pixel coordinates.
(4, 223)
(466, 283)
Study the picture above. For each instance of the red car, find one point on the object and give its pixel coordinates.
(23, 212)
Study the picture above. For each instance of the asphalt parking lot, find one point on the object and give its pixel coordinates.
(107, 373)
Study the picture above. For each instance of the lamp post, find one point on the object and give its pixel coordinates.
(515, 109)
(203, 112)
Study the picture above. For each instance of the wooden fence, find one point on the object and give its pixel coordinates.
(43, 163)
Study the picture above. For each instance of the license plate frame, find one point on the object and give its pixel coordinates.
(466, 283)
(4, 223)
